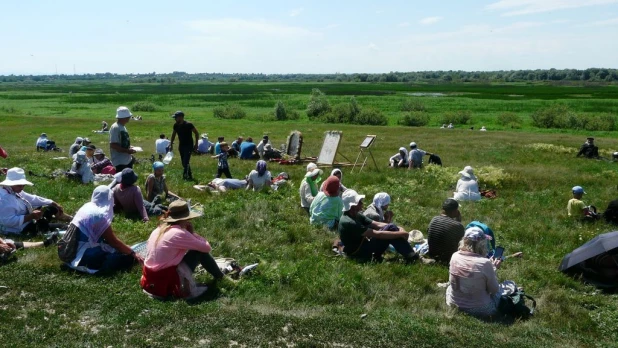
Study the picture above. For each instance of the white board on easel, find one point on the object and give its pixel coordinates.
(329, 147)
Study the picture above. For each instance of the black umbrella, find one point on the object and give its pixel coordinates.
(596, 246)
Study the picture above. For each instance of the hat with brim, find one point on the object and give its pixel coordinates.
(179, 210)
(123, 112)
(99, 151)
(350, 199)
(468, 172)
(15, 177)
(416, 236)
(316, 171)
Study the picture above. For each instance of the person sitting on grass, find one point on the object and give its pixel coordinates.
(336, 172)
(270, 153)
(44, 144)
(473, 284)
(309, 186)
(128, 197)
(262, 145)
(80, 169)
(162, 146)
(25, 213)
(235, 150)
(415, 157)
(174, 251)
(76, 146)
(204, 146)
(102, 164)
(588, 149)
(467, 186)
(248, 150)
(259, 178)
(378, 209)
(576, 207)
(399, 160)
(445, 231)
(364, 239)
(222, 166)
(156, 185)
(218, 145)
(104, 126)
(98, 249)
(327, 206)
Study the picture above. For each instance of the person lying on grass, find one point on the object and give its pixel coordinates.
(309, 186)
(336, 172)
(128, 197)
(25, 213)
(365, 239)
(400, 159)
(473, 284)
(445, 231)
(378, 209)
(259, 178)
(156, 185)
(222, 185)
(174, 251)
(327, 206)
(99, 250)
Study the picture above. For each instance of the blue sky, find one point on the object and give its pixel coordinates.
(40, 37)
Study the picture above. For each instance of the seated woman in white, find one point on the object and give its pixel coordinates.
(399, 160)
(467, 186)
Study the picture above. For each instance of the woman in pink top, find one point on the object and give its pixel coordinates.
(174, 251)
(473, 286)
(128, 197)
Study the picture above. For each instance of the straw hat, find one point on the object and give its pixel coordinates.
(15, 177)
(179, 210)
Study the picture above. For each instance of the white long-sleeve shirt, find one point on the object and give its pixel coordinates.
(306, 198)
(13, 210)
(467, 190)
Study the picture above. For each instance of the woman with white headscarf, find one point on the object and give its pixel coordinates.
(399, 160)
(98, 248)
(378, 209)
(467, 186)
(335, 172)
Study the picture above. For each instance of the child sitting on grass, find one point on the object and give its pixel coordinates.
(577, 208)
(155, 184)
(222, 166)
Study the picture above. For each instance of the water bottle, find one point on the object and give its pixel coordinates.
(168, 157)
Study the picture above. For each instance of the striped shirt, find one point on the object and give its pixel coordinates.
(443, 236)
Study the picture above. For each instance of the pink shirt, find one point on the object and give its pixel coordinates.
(169, 250)
(472, 279)
(130, 200)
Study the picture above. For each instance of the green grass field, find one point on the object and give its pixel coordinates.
(302, 295)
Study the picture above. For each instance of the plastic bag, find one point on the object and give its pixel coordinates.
(168, 157)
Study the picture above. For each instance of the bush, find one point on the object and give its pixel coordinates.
(555, 116)
(144, 106)
(318, 104)
(371, 116)
(230, 112)
(603, 122)
(281, 113)
(412, 105)
(293, 115)
(509, 119)
(456, 117)
(414, 119)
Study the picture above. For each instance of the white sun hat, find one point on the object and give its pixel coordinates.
(468, 172)
(350, 198)
(14, 177)
(123, 112)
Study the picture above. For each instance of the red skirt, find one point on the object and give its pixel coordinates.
(162, 283)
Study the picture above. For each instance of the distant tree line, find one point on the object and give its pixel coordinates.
(589, 75)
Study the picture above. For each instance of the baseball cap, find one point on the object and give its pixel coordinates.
(178, 114)
(412, 145)
(578, 189)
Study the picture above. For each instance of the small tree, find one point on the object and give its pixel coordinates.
(281, 113)
(318, 104)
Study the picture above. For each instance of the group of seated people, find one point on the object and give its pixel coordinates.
(412, 159)
(45, 144)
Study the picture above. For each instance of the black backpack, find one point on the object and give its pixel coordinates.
(514, 305)
(435, 159)
(67, 246)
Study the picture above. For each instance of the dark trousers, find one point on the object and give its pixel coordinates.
(106, 262)
(194, 258)
(119, 168)
(185, 157)
(374, 248)
(43, 225)
(225, 171)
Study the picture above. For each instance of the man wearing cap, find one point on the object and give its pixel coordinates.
(41, 142)
(204, 146)
(75, 146)
(589, 149)
(445, 231)
(365, 239)
(119, 142)
(186, 145)
(576, 207)
(415, 157)
(22, 212)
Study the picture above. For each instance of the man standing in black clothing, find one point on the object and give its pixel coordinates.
(186, 144)
(589, 149)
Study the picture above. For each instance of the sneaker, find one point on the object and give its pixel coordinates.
(51, 240)
(427, 261)
(247, 269)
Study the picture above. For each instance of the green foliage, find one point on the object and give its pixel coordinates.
(510, 119)
(371, 116)
(281, 113)
(561, 116)
(144, 106)
(598, 122)
(414, 119)
(413, 105)
(230, 112)
(352, 113)
(456, 117)
(318, 104)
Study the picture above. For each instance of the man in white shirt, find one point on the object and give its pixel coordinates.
(162, 144)
(415, 157)
(21, 212)
(204, 145)
(261, 145)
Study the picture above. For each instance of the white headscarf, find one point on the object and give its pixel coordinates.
(405, 151)
(94, 217)
(380, 200)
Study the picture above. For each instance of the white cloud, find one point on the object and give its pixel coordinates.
(523, 7)
(430, 20)
(404, 24)
(295, 12)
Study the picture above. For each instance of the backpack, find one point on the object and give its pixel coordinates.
(514, 305)
(435, 159)
(67, 246)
